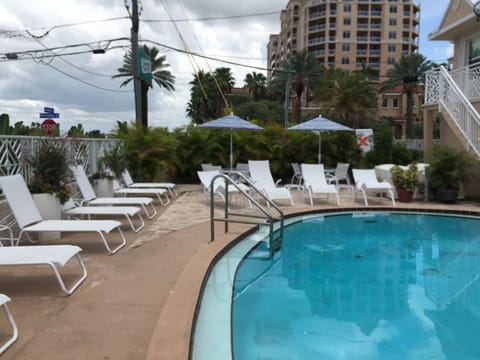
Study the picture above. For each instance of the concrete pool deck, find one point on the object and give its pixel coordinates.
(139, 303)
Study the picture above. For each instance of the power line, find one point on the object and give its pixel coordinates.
(210, 18)
(29, 32)
(83, 81)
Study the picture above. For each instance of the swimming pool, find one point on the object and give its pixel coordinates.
(348, 286)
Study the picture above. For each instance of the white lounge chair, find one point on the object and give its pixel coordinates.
(206, 178)
(263, 180)
(90, 198)
(70, 209)
(52, 255)
(4, 299)
(124, 191)
(29, 219)
(127, 179)
(315, 182)
(366, 182)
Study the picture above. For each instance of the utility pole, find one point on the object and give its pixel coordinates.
(287, 102)
(140, 114)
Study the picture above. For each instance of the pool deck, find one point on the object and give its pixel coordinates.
(139, 303)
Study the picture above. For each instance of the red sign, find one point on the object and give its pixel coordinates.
(48, 126)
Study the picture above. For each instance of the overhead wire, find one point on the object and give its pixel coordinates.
(72, 64)
(187, 50)
(211, 18)
(83, 81)
(220, 90)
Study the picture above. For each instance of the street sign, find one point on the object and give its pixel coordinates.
(144, 67)
(48, 126)
(49, 113)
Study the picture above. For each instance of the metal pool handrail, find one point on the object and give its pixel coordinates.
(267, 217)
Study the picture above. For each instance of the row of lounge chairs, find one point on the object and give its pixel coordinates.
(311, 178)
(29, 220)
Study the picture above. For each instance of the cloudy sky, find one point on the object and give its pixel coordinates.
(79, 85)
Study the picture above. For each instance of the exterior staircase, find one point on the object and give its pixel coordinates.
(451, 92)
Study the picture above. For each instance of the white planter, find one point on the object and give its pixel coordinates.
(49, 207)
(103, 187)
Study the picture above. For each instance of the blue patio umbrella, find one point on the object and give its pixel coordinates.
(320, 124)
(231, 122)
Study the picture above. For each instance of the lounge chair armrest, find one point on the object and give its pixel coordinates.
(278, 182)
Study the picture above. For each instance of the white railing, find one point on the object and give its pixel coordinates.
(16, 150)
(441, 89)
(468, 80)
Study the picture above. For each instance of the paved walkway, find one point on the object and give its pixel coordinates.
(115, 313)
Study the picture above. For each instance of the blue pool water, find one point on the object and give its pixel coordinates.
(368, 286)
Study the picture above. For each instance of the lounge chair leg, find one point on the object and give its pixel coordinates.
(77, 283)
(11, 320)
(122, 244)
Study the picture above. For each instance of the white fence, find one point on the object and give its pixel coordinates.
(16, 150)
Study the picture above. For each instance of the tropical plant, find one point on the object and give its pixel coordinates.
(350, 97)
(405, 178)
(49, 167)
(449, 167)
(408, 71)
(256, 84)
(150, 153)
(300, 70)
(112, 161)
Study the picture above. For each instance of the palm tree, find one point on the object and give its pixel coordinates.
(256, 84)
(224, 78)
(300, 70)
(161, 75)
(408, 71)
(349, 96)
(208, 94)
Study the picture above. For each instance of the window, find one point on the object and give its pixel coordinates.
(474, 51)
(393, 9)
(391, 48)
(346, 47)
(347, 21)
(346, 34)
(390, 60)
(347, 8)
(385, 103)
(392, 35)
(345, 60)
(395, 103)
(392, 22)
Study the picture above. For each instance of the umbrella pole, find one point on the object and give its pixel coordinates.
(231, 152)
(319, 148)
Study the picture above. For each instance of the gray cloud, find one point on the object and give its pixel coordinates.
(27, 86)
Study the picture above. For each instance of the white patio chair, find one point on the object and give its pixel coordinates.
(70, 209)
(129, 183)
(30, 220)
(118, 189)
(90, 198)
(263, 181)
(297, 179)
(367, 183)
(340, 175)
(315, 182)
(4, 299)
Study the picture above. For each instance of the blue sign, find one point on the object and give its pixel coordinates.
(49, 113)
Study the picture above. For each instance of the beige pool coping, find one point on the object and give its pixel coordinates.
(139, 303)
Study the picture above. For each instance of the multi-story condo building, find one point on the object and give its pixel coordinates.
(348, 34)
